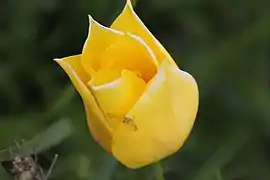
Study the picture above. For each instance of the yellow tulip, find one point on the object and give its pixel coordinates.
(139, 105)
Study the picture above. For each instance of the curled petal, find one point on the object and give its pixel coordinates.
(120, 95)
(104, 76)
(99, 38)
(128, 21)
(131, 53)
(163, 116)
(95, 118)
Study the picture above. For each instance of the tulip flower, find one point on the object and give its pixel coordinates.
(139, 105)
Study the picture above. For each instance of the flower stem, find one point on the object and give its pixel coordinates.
(159, 171)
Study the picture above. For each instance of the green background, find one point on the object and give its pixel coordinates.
(223, 44)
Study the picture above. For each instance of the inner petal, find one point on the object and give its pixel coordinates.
(119, 96)
(104, 76)
(131, 53)
(99, 38)
(128, 21)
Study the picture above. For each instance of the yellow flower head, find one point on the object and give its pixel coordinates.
(139, 105)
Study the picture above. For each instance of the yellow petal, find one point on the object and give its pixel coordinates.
(131, 53)
(128, 21)
(75, 63)
(99, 38)
(104, 76)
(95, 118)
(163, 116)
(117, 97)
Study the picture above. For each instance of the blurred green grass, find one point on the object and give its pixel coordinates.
(223, 44)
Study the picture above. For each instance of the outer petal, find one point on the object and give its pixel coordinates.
(128, 21)
(164, 117)
(99, 38)
(95, 118)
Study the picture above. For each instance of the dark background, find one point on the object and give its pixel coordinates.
(223, 44)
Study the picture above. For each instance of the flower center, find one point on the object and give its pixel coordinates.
(125, 69)
(130, 53)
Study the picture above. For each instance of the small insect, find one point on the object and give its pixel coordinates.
(130, 121)
(25, 166)
(127, 119)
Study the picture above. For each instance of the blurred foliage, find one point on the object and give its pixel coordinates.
(224, 44)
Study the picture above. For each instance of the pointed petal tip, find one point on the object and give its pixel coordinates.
(129, 7)
(61, 62)
(93, 22)
(91, 19)
(128, 3)
(89, 16)
(57, 59)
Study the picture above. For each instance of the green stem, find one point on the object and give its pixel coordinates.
(159, 171)
(218, 174)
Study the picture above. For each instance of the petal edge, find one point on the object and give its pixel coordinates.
(164, 117)
(128, 21)
(95, 118)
